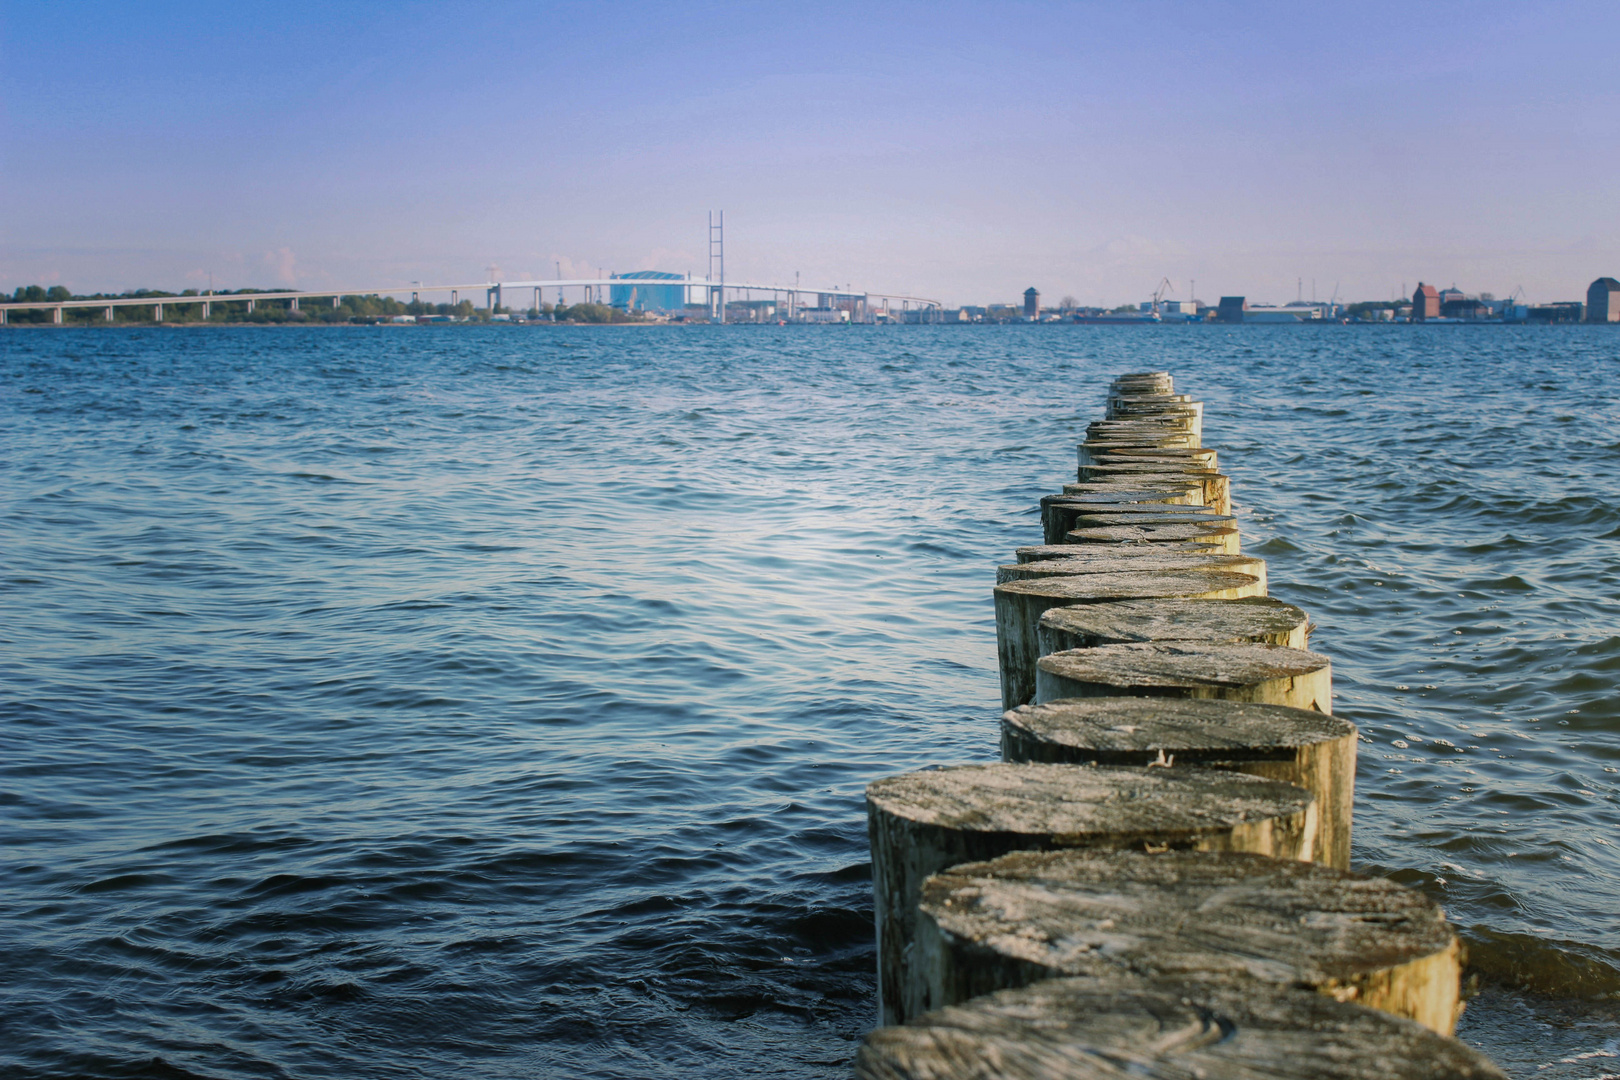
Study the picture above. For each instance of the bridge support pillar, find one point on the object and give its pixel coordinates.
(157, 312)
(455, 297)
(294, 304)
(250, 307)
(335, 300)
(108, 314)
(2, 316)
(56, 316)
(208, 309)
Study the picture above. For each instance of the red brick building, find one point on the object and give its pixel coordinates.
(1425, 303)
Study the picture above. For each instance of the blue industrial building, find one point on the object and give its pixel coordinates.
(645, 291)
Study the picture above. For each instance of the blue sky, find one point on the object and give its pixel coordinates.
(955, 151)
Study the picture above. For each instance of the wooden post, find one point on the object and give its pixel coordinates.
(1257, 619)
(1032, 915)
(1132, 424)
(1203, 1027)
(1107, 453)
(1302, 747)
(1119, 550)
(1061, 513)
(1215, 488)
(923, 822)
(1020, 604)
(1145, 382)
(1190, 414)
(1090, 516)
(1103, 446)
(1112, 470)
(1121, 394)
(1265, 674)
(1102, 560)
(1180, 493)
(1227, 541)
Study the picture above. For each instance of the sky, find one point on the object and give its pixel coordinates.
(960, 152)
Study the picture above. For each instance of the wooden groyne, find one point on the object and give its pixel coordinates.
(1154, 880)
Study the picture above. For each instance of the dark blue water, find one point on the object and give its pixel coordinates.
(497, 703)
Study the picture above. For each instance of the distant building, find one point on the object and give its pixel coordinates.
(1425, 303)
(645, 291)
(1454, 305)
(1288, 313)
(1563, 311)
(1232, 308)
(1603, 300)
(1032, 303)
(751, 311)
(823, 315)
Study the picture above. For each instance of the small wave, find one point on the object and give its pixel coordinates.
(1543, 965)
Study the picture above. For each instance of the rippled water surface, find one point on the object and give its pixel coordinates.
(468, 702)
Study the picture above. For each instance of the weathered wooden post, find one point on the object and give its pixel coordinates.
(1223, 539)
(1144, 382)
(920, 823)
(1020, 604)
(1312, 750)
(1125, 452)
(1033, 915)
(1215, 489)
(1264, 674)
(1060, 513)
(1045, 552)
(1097, 560)
(1257, 619)
(1190, 414)
(1204, 1028)
(1165, 488)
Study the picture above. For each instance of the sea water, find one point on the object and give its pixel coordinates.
(497, 702)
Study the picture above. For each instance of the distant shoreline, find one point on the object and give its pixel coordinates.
(102, 325)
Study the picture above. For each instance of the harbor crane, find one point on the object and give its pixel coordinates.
(1158, 294)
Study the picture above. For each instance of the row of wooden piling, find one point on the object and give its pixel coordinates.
(1154, 880)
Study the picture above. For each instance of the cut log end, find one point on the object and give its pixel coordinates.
(1036, 801)
(1031, 915)
(1101, 730)
(1020, 604)
(1254, 620)
(1129, 560)
(924, 822)
(1214, 1028)
(1264, 674)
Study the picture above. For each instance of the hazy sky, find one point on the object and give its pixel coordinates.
(955, 151)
